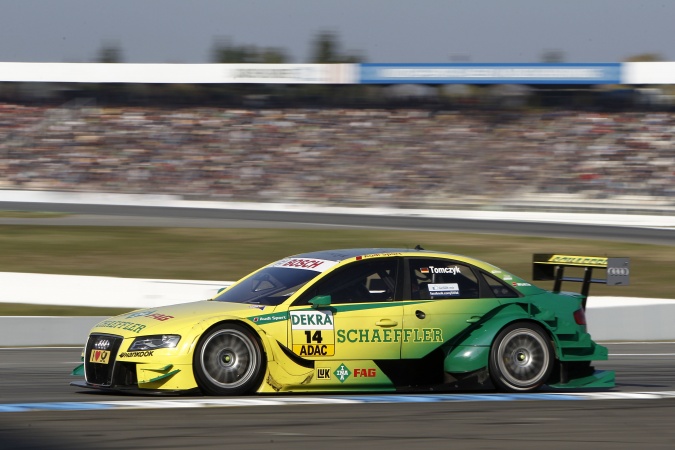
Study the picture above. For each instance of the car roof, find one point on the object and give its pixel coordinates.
(347, 253)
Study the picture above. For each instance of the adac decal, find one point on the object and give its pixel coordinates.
(120, 324)
(269, 318)
(139, 354)
(365, 373)
(149, 314)
(323, 373)
(414, 335)
(342, 373)
(312, 333)
(99, 356)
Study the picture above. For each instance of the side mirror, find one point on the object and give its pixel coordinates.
(320, 301)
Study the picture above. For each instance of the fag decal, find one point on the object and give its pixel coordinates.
(99, 356)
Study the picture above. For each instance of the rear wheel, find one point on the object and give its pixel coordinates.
(228, 361)
(521, 358)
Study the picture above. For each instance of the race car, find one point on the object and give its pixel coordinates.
(359, 320)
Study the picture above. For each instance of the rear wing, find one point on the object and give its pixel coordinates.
(549, 266)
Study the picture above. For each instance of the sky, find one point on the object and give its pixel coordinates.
(382, 31)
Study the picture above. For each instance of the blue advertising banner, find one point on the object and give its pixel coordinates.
(488, 73)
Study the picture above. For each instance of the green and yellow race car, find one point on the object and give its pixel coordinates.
(359, 320)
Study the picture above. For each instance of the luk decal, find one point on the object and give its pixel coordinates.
(269, 318)
(414, 335)
(99, 356)
(443, 289)
(313, 333)
(120, 324)
(323, 373)
(142, 354)
(318, 265)
(342, 373)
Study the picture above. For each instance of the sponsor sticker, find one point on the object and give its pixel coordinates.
(318, 265)
(99, 356)
(443, 289)
(580, 260)
(323, 373)
(150, 314)
(413, 335)
(139, 354)
(342, 373)
(120, 324)
(269, 318)
(313, 333)
(365, 373)
(378, 255)
(312, 320)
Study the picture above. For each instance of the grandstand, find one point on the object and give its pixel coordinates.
(528, 136)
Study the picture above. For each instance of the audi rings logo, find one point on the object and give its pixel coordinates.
(102, 344)
(618, 271)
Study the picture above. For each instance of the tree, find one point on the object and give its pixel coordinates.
(225, 52)
(326, 50)
(553, 56)
(109, 52)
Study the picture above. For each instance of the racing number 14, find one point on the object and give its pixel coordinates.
(316, 337)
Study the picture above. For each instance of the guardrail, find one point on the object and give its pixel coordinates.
(609, 318)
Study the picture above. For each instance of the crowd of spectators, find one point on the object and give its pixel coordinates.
(402, 157)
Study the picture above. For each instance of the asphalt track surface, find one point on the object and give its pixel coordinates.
(39, 410)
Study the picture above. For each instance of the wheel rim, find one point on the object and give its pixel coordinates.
(523, 358)
(228, 358)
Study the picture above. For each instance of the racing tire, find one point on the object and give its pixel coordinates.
(229, 360)
(521, 358)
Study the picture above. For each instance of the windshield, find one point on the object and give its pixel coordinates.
(270, 286)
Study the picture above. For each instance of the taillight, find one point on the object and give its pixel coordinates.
(580, 317)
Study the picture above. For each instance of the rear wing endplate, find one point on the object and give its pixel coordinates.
(549, 266)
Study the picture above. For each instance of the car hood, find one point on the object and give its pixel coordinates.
(174, 318)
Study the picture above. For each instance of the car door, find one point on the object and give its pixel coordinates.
(363, 320)
(445, 300)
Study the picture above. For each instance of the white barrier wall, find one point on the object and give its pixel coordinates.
(609, 318)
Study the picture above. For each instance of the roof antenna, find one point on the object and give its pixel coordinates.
(418, 247)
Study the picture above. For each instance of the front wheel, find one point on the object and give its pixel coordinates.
(228, 361)
(521, 358)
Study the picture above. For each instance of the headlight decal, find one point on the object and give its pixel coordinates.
(154, 342)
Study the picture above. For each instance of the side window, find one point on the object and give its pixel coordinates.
(437, 279)
(499, 288)
(359, 282)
